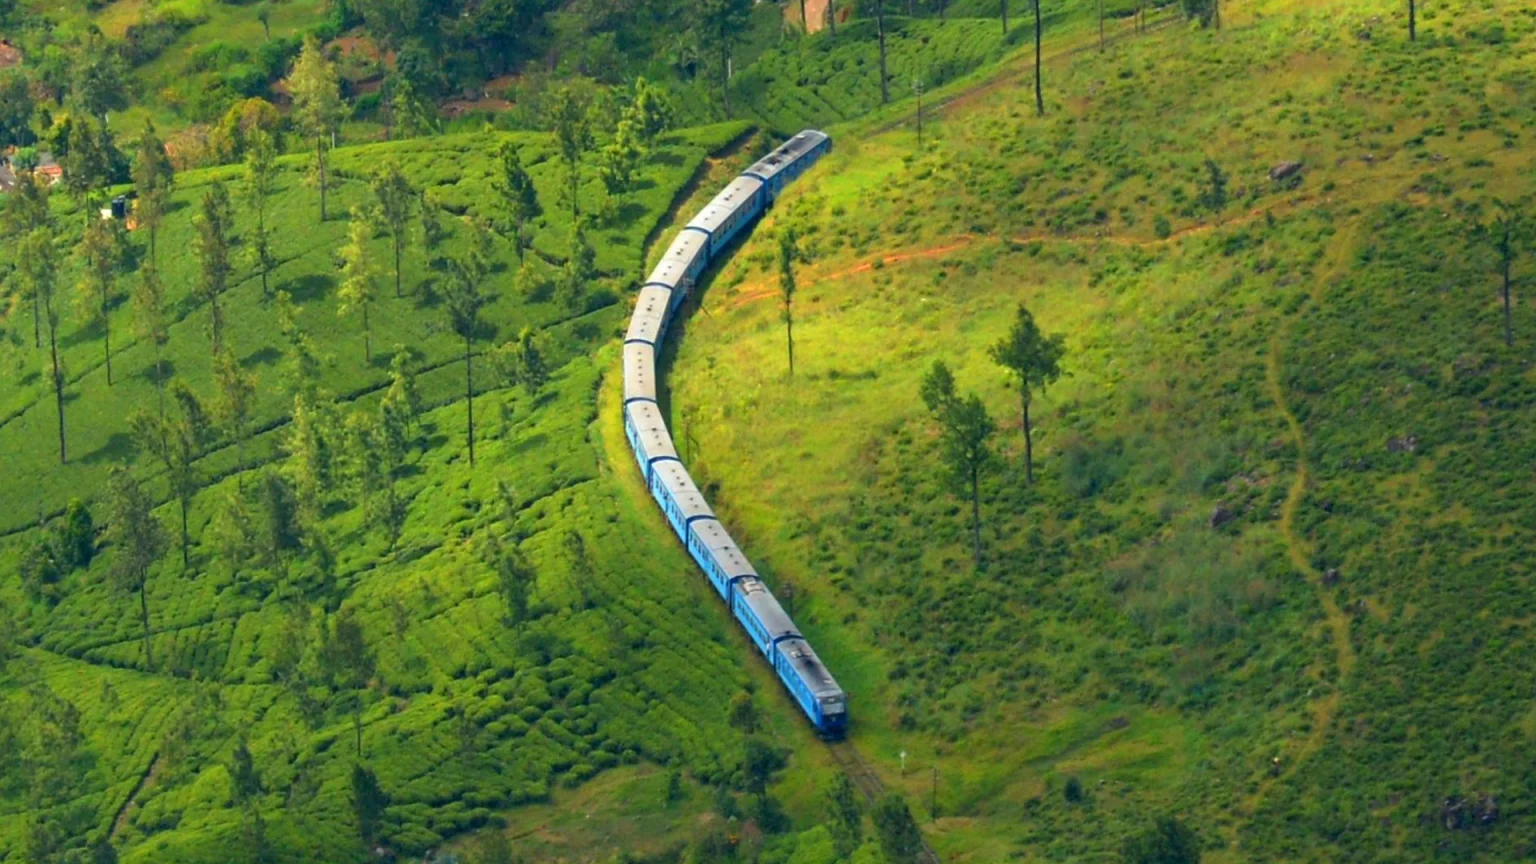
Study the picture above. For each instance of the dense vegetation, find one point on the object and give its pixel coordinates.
(1269, 574)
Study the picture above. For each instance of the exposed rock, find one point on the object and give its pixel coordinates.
(1460, 814)
(1284, 170)
(1405, 444)
(1221, 516)
(1331, 576)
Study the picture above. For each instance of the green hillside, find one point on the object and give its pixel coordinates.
(1272, 575)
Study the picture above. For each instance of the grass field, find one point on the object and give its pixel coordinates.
(1322, 362)
(620, 659)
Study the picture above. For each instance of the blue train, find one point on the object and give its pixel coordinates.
(724, 564)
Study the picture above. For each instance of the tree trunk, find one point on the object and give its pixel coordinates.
(106, 336)
(397, 265)
(367, 337)
(1101, 25)
(153, 258)
(1029, 446)
(469, 397)
(885, 90)
(58, 388)
(160, 380)
(1413, 31)
(186, 537)
(789, 331)
(725, 72)
(1005, 17)
(804, 21)
(149, 663)
(1509, 332)
(832, 18)
(1039, 95)
(976, 514)
(217, 321)
(37, 320)
(320, 171)
(357, 724)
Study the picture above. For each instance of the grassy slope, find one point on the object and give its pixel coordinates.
(1263, 363)
(625, 669)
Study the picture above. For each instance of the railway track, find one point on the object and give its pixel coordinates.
(864, 778)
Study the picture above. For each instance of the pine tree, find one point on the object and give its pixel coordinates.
(570, 115)
(152, 323)
(787, 255)
(137, 539)
(967, 430)
(101, 251)
(396, 201)
(211, 243)
(1035, 361)
(260, 180)
(177, 443)
(317, 105)
(153, 179)
(518, 195)
(464, 300)
(232, 404)
(359, 279)
(39, 272)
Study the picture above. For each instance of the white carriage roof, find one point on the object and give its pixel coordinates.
(726, 203)
(724, 549)
(639, 371)
(650, 312)
(653, 430)
(767, 607)
(812, 671)
(676, 480)
(786, 153)
(681, 255)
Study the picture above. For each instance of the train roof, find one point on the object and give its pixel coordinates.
(724, 549)
(809, 667)
(653, 430)
(775, 620)
(639, 371)
(650, 314)
(683, 490)
(786, 153)
(681, 255)
(727, 202)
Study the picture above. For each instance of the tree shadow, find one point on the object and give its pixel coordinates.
(666, 157)
(119, 448)
(266, 356)
(311, 286)
(167, 372)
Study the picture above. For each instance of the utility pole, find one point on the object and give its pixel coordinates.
(933, 795)
(917, 87)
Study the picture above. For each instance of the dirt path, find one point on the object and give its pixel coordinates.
(1324, 709)
(156, 765)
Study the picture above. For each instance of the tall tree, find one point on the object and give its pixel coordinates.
(572, 119)
(396, 201)
(87, 163)
(1169, 841)
(1413, 22)
(847, 815)
(651, 110)
(722, 22)
(787, 255)
(359, 278)
(259, 181)
(317, 104)
(522, 362)
(1035, 361)
(152, 322)
(39, 271)
(885, 88)
(153, 179)
(519, 198)
(578, 272)
(620, 159)
(1039, 93)
(349, 661)
(26, 210)
(1005, 17)
(514, 577)
(900, 839)
(368, 803)
(967, 431)
(211, 243)
(16, 109)
(232, 404)
(101, 251)
(137, 539)
(1509, 232)
(176, 443)
(464, 302)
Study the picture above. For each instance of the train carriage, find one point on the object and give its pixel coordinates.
(811, 684)
(680, 267)
(680, 498)
(722, 560)
(735, 206)
(648, 435)
(639, 372)
(789, 160)
(648, 324)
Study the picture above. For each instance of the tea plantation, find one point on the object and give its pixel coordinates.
(1273, 574)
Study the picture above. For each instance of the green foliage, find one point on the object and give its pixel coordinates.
(1168, 842)
(900, 839)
